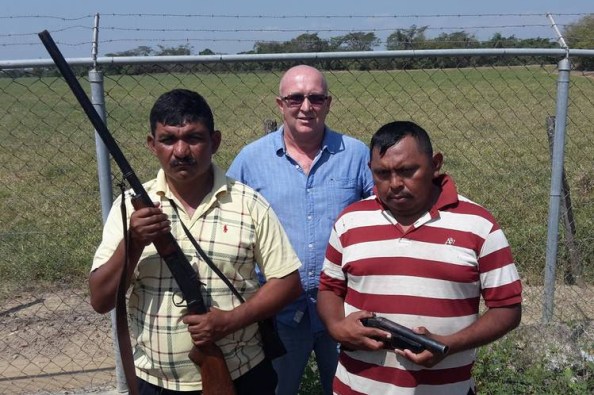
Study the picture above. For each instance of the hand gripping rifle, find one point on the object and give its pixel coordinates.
(404, 338)
(216, 379)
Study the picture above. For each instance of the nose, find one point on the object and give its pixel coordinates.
(181, 149)
(395, 181)
(306, 105)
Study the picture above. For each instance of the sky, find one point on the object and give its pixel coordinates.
(234, 26)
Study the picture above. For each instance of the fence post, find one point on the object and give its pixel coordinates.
(103, 164)
(573, 271)
(105, 187)
(555, 194)
(106, 194)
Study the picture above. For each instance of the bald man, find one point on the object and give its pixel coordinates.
(309, 174)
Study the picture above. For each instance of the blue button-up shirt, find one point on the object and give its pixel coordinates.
(306, 204)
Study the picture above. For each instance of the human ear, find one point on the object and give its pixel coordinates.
(216, 140)
(279, 104)
(437, 163)
(150, 143)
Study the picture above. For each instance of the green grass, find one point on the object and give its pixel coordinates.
(489, 122)
(539, 361)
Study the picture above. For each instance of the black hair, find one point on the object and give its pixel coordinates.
(393, 132)
(180, 106)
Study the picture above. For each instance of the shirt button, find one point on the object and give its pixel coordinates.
(310, 245)
(309, 217)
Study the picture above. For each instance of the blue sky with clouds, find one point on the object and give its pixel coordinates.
(233, 26)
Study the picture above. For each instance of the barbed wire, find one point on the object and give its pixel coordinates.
(254, 16)
(270, 30)
(61, 18)
(118, 32)
(53, 30)
(278, 30)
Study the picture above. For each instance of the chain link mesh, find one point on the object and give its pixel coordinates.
(489, 121)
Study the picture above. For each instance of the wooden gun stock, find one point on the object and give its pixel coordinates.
(213, 368)
(216, 379)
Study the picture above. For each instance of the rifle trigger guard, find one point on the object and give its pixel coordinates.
(178, 295)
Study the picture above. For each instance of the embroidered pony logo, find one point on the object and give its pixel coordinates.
(450, 241)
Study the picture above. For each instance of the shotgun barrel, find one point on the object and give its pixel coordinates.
(216, 379)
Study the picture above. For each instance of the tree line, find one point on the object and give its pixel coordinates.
(578, 35)
(402, 39)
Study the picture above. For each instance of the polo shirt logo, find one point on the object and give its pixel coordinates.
(225, 229)
(450, 241)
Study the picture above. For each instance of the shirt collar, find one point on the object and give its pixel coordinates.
(448, 196)
(331, 141)
(449, 192)
(219, 187)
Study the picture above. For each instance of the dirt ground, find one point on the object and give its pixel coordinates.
(53, 343)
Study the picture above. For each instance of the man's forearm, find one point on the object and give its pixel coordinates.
(492, 325)
(104, 281)
(330, 309)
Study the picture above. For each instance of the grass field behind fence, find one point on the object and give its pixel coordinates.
(490, 123)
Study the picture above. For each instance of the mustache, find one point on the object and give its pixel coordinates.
(187, 161)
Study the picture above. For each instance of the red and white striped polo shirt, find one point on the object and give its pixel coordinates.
(433, 275)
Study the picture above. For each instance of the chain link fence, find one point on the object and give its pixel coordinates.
(490, 113)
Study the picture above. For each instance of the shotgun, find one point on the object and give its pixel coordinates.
(216, 379)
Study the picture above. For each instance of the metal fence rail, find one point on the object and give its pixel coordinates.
(489, 111)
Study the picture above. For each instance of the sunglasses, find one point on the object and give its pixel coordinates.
(297, 99)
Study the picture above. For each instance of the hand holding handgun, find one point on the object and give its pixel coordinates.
(404, 338)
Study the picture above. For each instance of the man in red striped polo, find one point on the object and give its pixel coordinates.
(420, 255)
